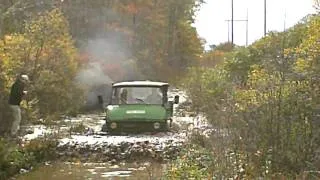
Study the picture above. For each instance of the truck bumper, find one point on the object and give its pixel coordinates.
(136, 127)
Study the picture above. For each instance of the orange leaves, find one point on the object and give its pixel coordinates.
(212, 58)
(142, 7)
(83, 58)
(132, 8)
(116, 26)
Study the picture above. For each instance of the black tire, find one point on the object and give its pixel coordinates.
(104, 128)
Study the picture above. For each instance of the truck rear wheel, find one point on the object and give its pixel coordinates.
(104, 128)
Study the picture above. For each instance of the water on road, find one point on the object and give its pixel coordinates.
(96, 171)
(94, 143)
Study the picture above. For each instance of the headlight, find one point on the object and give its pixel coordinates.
(110, 108)
(113, 125)
(156, 125)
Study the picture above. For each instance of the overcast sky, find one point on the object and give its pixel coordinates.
(211, 24)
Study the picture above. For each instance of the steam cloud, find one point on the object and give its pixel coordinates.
(108, 49)
(111, 49)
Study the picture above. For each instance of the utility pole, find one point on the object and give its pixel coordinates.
(247, 28)
(284, 22)
(232, 23)
(265, 17)
(232, 26)
(239, 20)
(228, 32)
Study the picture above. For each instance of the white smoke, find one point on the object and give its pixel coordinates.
(110, 49)
(93, 76)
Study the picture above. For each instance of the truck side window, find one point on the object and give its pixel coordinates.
(124, 96)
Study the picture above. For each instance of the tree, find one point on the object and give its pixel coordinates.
(157, 34)
(265, 97)
(46, 52)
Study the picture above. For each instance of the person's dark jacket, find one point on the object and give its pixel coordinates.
(16, 93)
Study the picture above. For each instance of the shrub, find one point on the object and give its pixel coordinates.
(12, 159)
(265, 101)
(193, 163)
(43, 149)
(45, 51)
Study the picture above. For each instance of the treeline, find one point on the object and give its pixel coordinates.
(157, 34)
(53, 42)
(264, 101)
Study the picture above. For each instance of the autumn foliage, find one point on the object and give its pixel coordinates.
(53, 41)
(45, 52)
(264, 101)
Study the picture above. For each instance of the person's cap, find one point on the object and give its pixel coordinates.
(24, 78)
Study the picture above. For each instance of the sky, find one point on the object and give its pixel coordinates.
(212, 26)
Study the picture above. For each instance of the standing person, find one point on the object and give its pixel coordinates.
(16, 95)
(124, 96)
(155, 97)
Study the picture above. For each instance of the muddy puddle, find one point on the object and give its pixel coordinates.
(95, 146)
(96, 171)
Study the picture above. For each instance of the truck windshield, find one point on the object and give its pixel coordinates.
(137, 95)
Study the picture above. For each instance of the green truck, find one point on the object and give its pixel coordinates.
(139, 106)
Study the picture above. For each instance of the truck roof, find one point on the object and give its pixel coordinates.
(140, 83)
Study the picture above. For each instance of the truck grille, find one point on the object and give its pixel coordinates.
(136, 126)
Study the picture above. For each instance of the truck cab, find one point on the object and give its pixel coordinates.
(139, 106)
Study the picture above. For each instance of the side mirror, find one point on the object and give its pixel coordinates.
(176, 99)
(100, 100)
